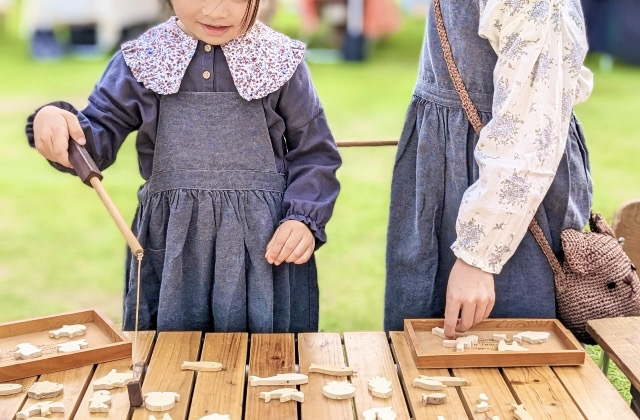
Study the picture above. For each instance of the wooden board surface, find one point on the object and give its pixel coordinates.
(593, 393)
(487, 381)
(542, 393)
(322, 349)
(453, 409)
(11, 404)
(221, 392)
(620, 338)
(369, 354)
(164, 373)
(270, 354)
(119, 396)
(561, 349)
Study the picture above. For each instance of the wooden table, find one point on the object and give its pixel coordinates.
(548, 393)
(620, 339)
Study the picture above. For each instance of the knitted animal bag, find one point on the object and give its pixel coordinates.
(595, 278)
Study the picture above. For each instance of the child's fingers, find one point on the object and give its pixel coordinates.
(277, 243)
(307, 254)
(60, 145)
(287, 249)
(75, 130)
(479, 315)
(451, 312)
(300, 249)
(489, 308)
(466, 317)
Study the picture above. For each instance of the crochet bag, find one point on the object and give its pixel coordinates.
(595, 278)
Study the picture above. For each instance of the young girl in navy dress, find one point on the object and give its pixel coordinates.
(239, 165)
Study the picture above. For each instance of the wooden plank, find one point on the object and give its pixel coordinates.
(453, 409)
(270, 354)
(164, 373)
(119, 396)
(368, 353)
(626, 224)
(593, 393)
(221, 392)
(620, 338)
(11, 404)
(542, 393)
(321, 349)
(75, 383)
(487, 381)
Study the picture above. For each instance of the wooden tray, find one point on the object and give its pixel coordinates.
(105, 344)
(562, 349)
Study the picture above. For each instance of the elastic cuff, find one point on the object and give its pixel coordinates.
(464, 255)
(318, 232)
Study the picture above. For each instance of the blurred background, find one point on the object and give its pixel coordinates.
(59, 250)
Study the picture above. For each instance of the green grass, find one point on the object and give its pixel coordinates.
(59, 251)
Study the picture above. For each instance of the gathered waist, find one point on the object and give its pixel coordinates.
(450, 98)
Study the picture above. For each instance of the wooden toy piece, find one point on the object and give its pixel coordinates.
(483, 398)
(438, 331)
(468, 340)
(72, 346)
(441, 418)
(160, 401)
(69, 331)
(495, 418)
(533, 337)
(339, 390)
(27, 351)
(100, 402)
(43, 408)
(520, 412)
(436, 398)
(448, 380)
(10, 389)
(284, 394)
(384, 413)
(164, 417)
(503, 346)
(428, 384)
(113, 380)
(449, 343)
(202, 366)
(281, 379)
(216, 417)
(331, 370)
(498, 337)
(45, 389)
(482, 407)
(459, 347)
(380, 387)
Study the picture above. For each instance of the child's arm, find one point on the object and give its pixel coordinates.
(312, 160)
(116, 107)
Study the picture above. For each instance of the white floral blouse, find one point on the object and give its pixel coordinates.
(539, 76)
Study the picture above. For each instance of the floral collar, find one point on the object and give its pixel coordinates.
(261, 61)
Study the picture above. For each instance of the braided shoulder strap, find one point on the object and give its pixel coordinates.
(474, 118)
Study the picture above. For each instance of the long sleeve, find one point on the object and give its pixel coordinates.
(117, 106)
(539, 76)
(311, 158)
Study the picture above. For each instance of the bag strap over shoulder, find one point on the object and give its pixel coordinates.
(474, 118)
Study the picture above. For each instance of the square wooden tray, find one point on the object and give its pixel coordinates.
(562, 349)
(105, 344)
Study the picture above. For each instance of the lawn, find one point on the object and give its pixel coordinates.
(59, 251)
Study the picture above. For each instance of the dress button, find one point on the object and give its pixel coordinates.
(206, 75)
(207, 48)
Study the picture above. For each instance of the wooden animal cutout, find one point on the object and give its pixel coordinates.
(281, 379)
(520, 412)
(339, 390)
(11, 389)
(202, 366)
(69, 331)
(503, 346)
(385, 413)
(113, 380)
(331, 370)
(380, 387)
(43, 408)
(448, 380)
(45, 389)
(164, 417)
(100, 402)
(482, 407)
(533, 337)
(216, 417)
(72, 346)
(461, 343)
(498, 337)
(27, 351)
(284, 394)
(438, 332)
(483, 398)
(160, 401)
(441, 418)
(459, 347)
(435, 398)
(428, 384)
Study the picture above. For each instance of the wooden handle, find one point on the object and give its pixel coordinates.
(82, 163)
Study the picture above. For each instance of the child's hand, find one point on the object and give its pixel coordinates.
(52, 128)
(471, 291)
(292, 242)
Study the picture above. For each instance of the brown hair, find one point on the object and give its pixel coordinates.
(250, 14)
